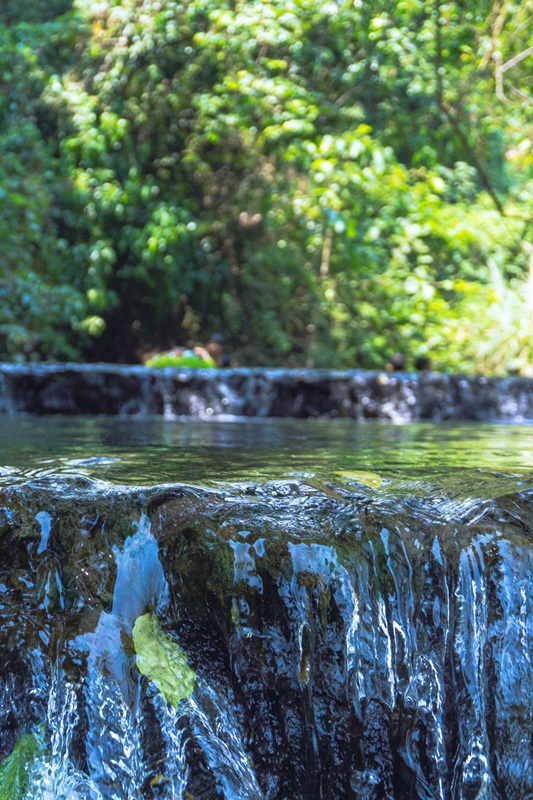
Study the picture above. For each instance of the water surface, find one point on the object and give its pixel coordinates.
(155, 451)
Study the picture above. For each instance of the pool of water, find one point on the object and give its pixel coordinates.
(480, 459)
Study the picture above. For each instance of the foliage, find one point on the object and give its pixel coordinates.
(493, 324)
(326, 183)
(162, 660)
(188, 359)
(16, 768)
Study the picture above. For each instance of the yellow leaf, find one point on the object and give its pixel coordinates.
(368, 478)
(162, 660)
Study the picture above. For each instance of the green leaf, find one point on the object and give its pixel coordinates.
(162, 660)
(15, 769)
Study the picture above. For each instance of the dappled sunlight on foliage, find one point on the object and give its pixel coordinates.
(326, 183)
(492, 328)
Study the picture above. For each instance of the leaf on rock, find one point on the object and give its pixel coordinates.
(371, 479)
(162, 660)
(15, 769)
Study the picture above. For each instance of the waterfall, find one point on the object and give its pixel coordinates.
(172, 393)
(314, 642)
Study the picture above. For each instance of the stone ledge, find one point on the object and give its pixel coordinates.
(136, 390)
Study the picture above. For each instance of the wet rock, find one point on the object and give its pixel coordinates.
(140, 391)
(365, 645)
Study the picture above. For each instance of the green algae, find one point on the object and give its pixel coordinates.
(162, 660)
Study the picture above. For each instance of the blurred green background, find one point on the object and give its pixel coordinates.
(324, 182)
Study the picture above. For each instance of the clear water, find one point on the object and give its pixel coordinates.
(209, 453)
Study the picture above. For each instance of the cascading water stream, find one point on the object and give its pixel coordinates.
(116, 760)
(297, 639)
(136, 391)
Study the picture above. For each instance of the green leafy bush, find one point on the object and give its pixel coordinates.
(319, 181)
(188, 359)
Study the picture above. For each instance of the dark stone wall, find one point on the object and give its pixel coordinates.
(136, 390)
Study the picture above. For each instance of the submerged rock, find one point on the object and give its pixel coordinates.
(342, 640)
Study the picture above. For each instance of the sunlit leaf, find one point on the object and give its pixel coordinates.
(371, 479)
(162, 660)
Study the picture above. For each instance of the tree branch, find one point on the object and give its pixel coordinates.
(485, 180)
(501, 14)
(438, 53)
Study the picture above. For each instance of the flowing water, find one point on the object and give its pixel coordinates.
(265, 610)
